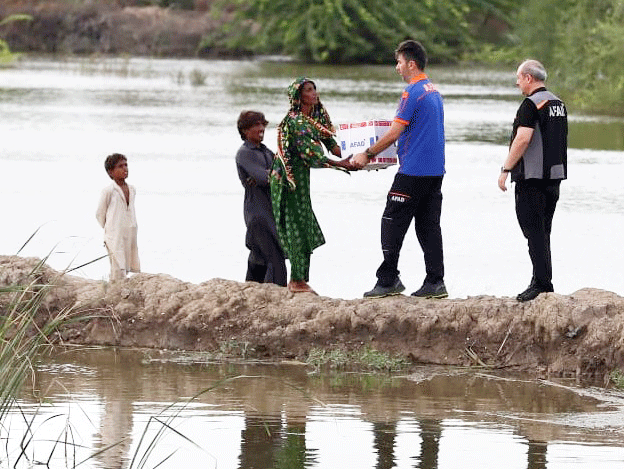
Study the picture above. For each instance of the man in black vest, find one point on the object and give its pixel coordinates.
(537, 161)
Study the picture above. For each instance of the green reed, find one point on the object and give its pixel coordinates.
(26, 332)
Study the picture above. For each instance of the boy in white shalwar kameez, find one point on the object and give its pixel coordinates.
(116, 215)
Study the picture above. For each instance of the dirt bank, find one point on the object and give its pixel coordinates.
(110, 27)
(580, 333)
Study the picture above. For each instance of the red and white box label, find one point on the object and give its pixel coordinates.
(355, 137)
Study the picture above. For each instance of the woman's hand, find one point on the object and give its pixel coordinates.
(345, 164)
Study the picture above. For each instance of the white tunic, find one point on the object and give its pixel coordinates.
(120, 226)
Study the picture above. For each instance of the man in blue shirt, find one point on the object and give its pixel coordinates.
(416, 192)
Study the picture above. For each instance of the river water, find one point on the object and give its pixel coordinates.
(60, 118)
(201, 414)
(175, 120)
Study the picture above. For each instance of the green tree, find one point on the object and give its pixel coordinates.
(347, 31)
(580, 42)
(5, 52)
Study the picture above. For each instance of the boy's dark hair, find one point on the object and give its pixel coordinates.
(413, 50)
(248, 119)
(112, 160)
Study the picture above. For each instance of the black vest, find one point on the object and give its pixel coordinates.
(547, 154)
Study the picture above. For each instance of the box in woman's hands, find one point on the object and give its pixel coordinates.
(355, 137)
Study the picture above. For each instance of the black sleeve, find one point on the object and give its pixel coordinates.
(527, 114)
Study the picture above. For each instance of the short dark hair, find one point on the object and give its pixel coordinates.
(247, 120)
(413, 50)
(112, 160)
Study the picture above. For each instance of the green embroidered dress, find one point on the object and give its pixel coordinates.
(299, 149)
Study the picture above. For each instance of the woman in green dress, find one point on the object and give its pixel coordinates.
(299, 137)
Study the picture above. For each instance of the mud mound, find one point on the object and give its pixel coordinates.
(580, 333)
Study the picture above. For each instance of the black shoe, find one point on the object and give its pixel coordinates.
(379, 292)
(532, 292)
(431, 290)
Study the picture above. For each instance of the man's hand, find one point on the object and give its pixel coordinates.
(360, 160)
(501, 181)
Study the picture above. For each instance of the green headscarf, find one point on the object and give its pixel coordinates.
(317, 123)
(318, 112)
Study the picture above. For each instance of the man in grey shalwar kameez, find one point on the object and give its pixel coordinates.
(253, 161)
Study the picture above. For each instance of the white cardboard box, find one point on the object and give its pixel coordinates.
(355, 137)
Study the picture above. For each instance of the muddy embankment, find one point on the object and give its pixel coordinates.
(579, 334)
(110, 27)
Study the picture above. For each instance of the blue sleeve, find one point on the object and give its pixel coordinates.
(407, 105)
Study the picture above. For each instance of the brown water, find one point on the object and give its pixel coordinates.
(266, 415)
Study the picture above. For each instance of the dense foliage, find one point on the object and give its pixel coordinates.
(581, 42)
(5, 53)
(348, 31)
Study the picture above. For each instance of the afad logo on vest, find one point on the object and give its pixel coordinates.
(557, 111)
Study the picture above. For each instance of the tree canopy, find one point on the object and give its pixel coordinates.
(581, 44)
(5, 53)
(349, 31)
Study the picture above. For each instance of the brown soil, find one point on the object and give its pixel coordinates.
(111, 27)
(577, 334)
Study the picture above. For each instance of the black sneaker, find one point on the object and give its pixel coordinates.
(532, 292)
(431, 290)
(380, 292)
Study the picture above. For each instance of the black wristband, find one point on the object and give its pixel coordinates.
(505, 170)
(369, 153)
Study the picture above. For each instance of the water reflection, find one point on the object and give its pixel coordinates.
(603, 134)
(260, 441)
(431, 431)
(537, 455)
(283, 416)
(117, 409)
(145, 86)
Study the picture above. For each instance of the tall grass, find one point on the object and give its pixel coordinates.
(27, 334)
(26, 331)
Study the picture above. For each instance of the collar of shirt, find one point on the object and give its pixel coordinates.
(541, 88)
(253, 145)
(419, 77)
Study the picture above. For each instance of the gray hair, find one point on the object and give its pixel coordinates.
(534, 68)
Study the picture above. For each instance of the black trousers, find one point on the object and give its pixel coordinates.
(266, 262)
(418, 198)
(536, 200)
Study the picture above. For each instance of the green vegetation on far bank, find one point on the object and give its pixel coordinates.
(5, 52)
(579, 41)
(356, 31)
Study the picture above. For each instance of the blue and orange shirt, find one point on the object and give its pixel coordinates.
(421, 144)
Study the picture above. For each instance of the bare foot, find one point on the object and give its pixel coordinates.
(300, 286)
